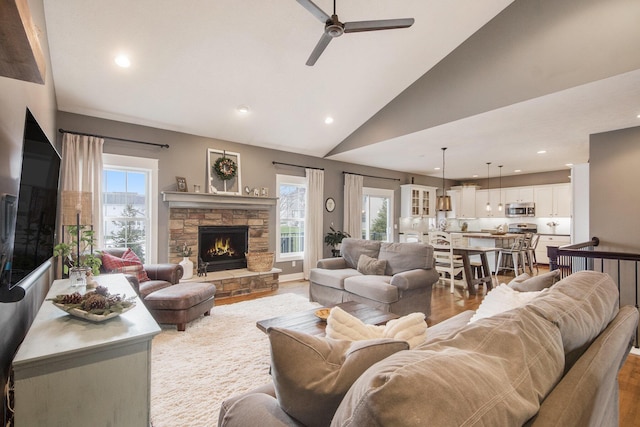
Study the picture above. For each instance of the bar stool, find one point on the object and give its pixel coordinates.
(517, 257)
(530, 252)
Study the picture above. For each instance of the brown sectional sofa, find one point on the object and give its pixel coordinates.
(551, 362)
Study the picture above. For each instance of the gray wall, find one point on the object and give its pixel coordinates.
(614, 176)
(15, 97)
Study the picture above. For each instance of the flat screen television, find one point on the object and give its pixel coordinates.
(34, 212)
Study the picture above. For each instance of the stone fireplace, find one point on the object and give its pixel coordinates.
(248, 216)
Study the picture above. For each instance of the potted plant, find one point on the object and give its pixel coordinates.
(77, 256)
(334, 238)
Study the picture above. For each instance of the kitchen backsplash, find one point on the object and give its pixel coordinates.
(545, 225)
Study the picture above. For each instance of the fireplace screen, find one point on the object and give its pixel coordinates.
(223, 247)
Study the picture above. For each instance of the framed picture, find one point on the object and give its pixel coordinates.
(223, 172)
(181, 184)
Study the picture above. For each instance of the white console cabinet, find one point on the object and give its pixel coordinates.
(72, 372)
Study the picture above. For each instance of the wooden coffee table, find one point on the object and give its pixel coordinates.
(308, 322)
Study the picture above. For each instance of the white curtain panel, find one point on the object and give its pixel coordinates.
(82, 171)
(313, 237)
(353, 205)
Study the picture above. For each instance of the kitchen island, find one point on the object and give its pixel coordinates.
(491, 241)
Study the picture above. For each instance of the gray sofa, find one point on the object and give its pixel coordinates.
(402, 285)
(551, 362)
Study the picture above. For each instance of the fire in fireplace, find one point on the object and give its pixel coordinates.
(223, 247)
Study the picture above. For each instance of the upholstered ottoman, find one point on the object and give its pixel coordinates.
(181, 303)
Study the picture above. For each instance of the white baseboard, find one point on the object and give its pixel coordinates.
(291, 277)
(635, 351)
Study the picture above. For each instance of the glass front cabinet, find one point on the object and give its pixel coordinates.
(417, 201)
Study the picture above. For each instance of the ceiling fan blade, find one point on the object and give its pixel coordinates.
(315, 10)
(384, 24)
(320, 47)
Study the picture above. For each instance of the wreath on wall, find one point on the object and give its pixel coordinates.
(225, 168)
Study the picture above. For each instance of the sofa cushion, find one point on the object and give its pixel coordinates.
(332, 278)
(581, 305)
(377, 288)
(526, 283)
(405, 256)
(494, 372)
(368, 265)
(129, 263)
(311, 374)
(500, 299)
(351, 250)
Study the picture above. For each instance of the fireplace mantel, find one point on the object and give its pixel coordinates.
(178, 199)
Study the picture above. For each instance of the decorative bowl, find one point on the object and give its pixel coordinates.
(323, 313)
(77, 312)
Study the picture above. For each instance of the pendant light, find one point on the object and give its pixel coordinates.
(443, 202)
(500, 204)
(488, 189)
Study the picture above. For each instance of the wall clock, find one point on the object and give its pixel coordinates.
(330, 204)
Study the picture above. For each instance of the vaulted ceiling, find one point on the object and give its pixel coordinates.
(496, 80)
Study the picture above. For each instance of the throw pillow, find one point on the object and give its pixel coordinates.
(526, 283)
(128, 264)
(368, 265)
(312, 374)
(344, 326)
(501, 299)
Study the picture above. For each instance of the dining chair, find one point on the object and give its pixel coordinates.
(517, 257)
(447, 264)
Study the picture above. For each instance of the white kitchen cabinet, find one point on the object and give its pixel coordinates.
(463, 200)
(518, 195)
(417, 201)
(547, 240)
(553, 200)
(562, 200)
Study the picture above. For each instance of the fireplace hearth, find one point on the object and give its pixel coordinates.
(223, 247)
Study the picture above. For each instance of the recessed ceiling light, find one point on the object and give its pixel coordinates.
(568, 164)
(542, 151)
(437, 168)
(123, 61)
(518, 170)
(475, 176)
(242, 109)
(328, 120)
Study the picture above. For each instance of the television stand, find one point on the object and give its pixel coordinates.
(73, 372)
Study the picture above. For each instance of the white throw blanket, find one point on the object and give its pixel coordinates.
(410, 328)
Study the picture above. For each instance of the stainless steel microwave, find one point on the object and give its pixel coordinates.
(520, 209)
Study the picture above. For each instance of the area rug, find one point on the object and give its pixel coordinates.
(217, 357)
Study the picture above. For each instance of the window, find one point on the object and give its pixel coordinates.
(377, 214)
(292, 195)
(128, 204)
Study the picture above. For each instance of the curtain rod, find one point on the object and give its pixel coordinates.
(114, 138)
(296, 166)
(372, 176)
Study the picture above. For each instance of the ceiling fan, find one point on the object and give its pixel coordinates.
(334, 28)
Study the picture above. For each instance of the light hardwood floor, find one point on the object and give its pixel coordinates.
(445, 305)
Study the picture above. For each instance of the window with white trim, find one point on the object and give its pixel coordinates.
(377, 214)
(129, 217)
(292, 194)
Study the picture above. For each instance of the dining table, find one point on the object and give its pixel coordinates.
(484, 276)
